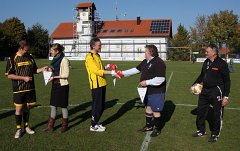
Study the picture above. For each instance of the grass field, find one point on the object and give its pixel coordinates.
(123, 115)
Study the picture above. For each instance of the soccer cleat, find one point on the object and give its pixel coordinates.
(101, 126)
(18, 133)
(145, 129)
(96, 128)
(199, 134)
(213, 138)
(29, 131)
(155, 133)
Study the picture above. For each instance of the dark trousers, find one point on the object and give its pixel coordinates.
(212, 96)
(98, 104)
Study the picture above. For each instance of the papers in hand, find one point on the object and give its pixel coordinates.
(46, 76)
(142, 93)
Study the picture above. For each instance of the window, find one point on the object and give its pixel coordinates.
(104, 31)
(119, 30)
(126, 30)
(131, 30)
(112, 31)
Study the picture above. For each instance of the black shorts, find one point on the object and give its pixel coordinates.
(28, 97)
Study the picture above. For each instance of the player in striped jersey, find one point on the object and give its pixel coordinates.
(21, 68)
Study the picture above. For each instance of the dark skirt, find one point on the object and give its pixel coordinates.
(59, 95)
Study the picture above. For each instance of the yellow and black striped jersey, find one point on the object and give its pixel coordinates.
(21, 66)
(95, 70)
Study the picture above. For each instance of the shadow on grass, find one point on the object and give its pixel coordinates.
(87, 115)
(167, 112)
(209, 118)
(72, 111)
(7, 114)
(124, 109)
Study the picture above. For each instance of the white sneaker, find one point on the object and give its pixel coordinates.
(96, 128)
(29, 131)
(18, 133)
(102, 127)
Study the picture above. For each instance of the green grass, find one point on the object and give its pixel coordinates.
(123, 115)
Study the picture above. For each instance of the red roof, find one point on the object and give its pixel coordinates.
(129, 28)
(224, 50)
(63, 31)
(121, 28)
(86, 4)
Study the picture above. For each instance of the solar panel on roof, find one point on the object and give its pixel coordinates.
(160, 26)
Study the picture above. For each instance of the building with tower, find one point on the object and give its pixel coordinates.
(121, 39)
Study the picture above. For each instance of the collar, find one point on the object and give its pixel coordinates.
(150, 59)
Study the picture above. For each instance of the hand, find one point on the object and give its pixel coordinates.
(50, 69)
(45, 68)
(120, 74)
(111, 66)
(143, 83)
(50, 79)
(27, 79)
(225, 102)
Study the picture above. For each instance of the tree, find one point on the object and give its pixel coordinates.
(14, 31)
(198, 32)
(38, 38)
(221, 27)
(180, 39)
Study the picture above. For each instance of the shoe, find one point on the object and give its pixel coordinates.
(155, 133)
(29, 131)
(96, 128)
(213, 139)
(18, 133)
(64, 127)
(199, 134)
(101, 126)
(146, 128)
(50, 125)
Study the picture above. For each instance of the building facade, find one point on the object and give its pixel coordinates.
(121, 39)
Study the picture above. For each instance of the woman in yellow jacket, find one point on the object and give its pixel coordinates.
(60, 87)
(97, 81)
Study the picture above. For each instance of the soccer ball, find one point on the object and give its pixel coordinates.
(196, 89)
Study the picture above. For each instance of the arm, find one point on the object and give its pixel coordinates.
(130, 72)
(200, 77)
(155, 81)
(23, 78)
(39, 70)
(226, 79)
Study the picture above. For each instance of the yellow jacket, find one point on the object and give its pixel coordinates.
(95, 70)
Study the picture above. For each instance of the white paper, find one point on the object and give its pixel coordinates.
(46, 76)
(142, 93)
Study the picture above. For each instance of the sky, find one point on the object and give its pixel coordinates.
(50, 13)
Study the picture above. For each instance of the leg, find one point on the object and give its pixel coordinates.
(64, 120)
(203, 106)
(18, 116)
(98, 102)
(26, 112)
(149, 116)
(51, 120)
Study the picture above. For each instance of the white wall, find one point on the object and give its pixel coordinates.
(116, 48)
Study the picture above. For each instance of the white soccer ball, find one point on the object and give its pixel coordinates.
(196, 89)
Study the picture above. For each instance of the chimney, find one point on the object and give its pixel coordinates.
(138, 20)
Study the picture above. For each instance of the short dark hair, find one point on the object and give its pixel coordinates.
(214, 47)
(152, 49)
(93, 42)
(23, 43)
(57, 46)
